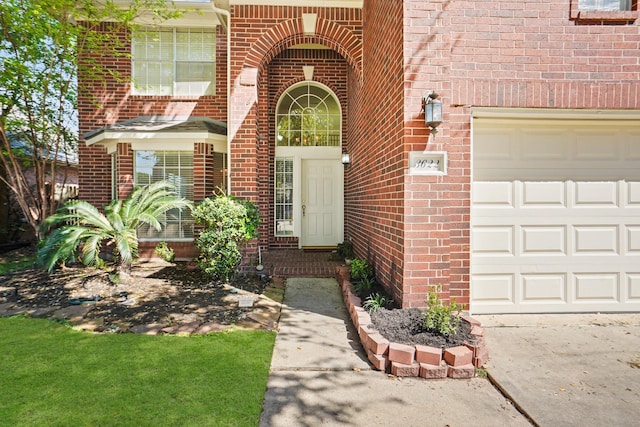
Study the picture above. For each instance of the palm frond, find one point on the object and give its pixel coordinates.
(60, 246)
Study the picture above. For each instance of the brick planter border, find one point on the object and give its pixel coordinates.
(412, 361)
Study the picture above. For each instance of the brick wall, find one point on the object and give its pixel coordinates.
(106, 101)
(502, 53)
(374, 207)
(262, 69)
(531, 54)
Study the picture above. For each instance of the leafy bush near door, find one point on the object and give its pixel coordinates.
(367, 288)
(229, 224)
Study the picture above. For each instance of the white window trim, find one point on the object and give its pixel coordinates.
(139, 90)
(154, 147)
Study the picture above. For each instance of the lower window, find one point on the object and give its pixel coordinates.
(176, 167)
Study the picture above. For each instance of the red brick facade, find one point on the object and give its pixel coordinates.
(380, 61)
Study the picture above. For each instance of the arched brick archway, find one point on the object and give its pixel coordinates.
(290, 33)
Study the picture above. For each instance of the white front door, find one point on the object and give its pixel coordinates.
(322, 203)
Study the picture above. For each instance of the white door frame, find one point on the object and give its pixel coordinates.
(298, 154)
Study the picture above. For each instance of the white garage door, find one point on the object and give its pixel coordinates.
(555, 215)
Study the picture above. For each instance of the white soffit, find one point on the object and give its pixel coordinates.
(198, 13)
(313, 3)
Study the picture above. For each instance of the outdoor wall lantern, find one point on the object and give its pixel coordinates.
(432, 111)
(346, 159)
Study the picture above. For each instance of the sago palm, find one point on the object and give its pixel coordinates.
(80, 229)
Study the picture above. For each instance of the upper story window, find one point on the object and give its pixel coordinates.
(174, 62)
(604, 5)
(308, 115)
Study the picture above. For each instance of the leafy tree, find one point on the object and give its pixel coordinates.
(41, 42)
(80, 229)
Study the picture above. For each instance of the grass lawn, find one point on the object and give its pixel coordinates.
(56, 376)
(17, 263)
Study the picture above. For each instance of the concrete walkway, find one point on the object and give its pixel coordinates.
(568, 369)
(320, 376)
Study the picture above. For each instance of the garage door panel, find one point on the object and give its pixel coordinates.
(498, 145)
(555, 217)
(633, 240)
(631, 147)
(544, 288)
(596, 287)
(633, 193)
(596, 193)
(544, 240)
(633, 287)
(589, 146)
(493, 289)
(544, 194)
(596, 240)
(493, 240)
(550, 145)
(498, 194)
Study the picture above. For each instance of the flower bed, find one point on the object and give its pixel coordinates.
(413, 360)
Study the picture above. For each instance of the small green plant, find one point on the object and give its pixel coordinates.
(375, 302)
(345, 250)
(165, 252)
(364, 285)
(361, 269)
(439, 318)
(228, 224)
(481, 373)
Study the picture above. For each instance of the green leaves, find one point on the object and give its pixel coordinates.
(45, 45)
(228, 224)
(361, 269)
(439, 318)
(79, 224)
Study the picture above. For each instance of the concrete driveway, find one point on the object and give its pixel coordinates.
(569, 369)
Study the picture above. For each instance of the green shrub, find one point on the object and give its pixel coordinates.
(440, 318)
(375, 302)
(364, 286)
(165, 252)
(361, 269)
(345, 250)
(228, 225)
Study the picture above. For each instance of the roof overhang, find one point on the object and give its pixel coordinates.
(313, 3)
(195, 13)
(161, 133)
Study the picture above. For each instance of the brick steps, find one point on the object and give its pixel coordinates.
(412, 361)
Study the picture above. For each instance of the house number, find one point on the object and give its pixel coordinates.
(427, 164)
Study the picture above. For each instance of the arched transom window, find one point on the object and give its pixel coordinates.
(308, 115)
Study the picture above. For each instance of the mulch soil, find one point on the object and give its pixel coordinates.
(172, 294)
(405, 326)
(158, 293)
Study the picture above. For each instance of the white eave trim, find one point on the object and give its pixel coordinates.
(177, 141)
(554, 114)
(356, 4)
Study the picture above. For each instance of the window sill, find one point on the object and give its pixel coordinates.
(602, 16)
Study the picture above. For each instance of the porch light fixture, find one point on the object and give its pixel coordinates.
(432, 111)
(346, 159)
